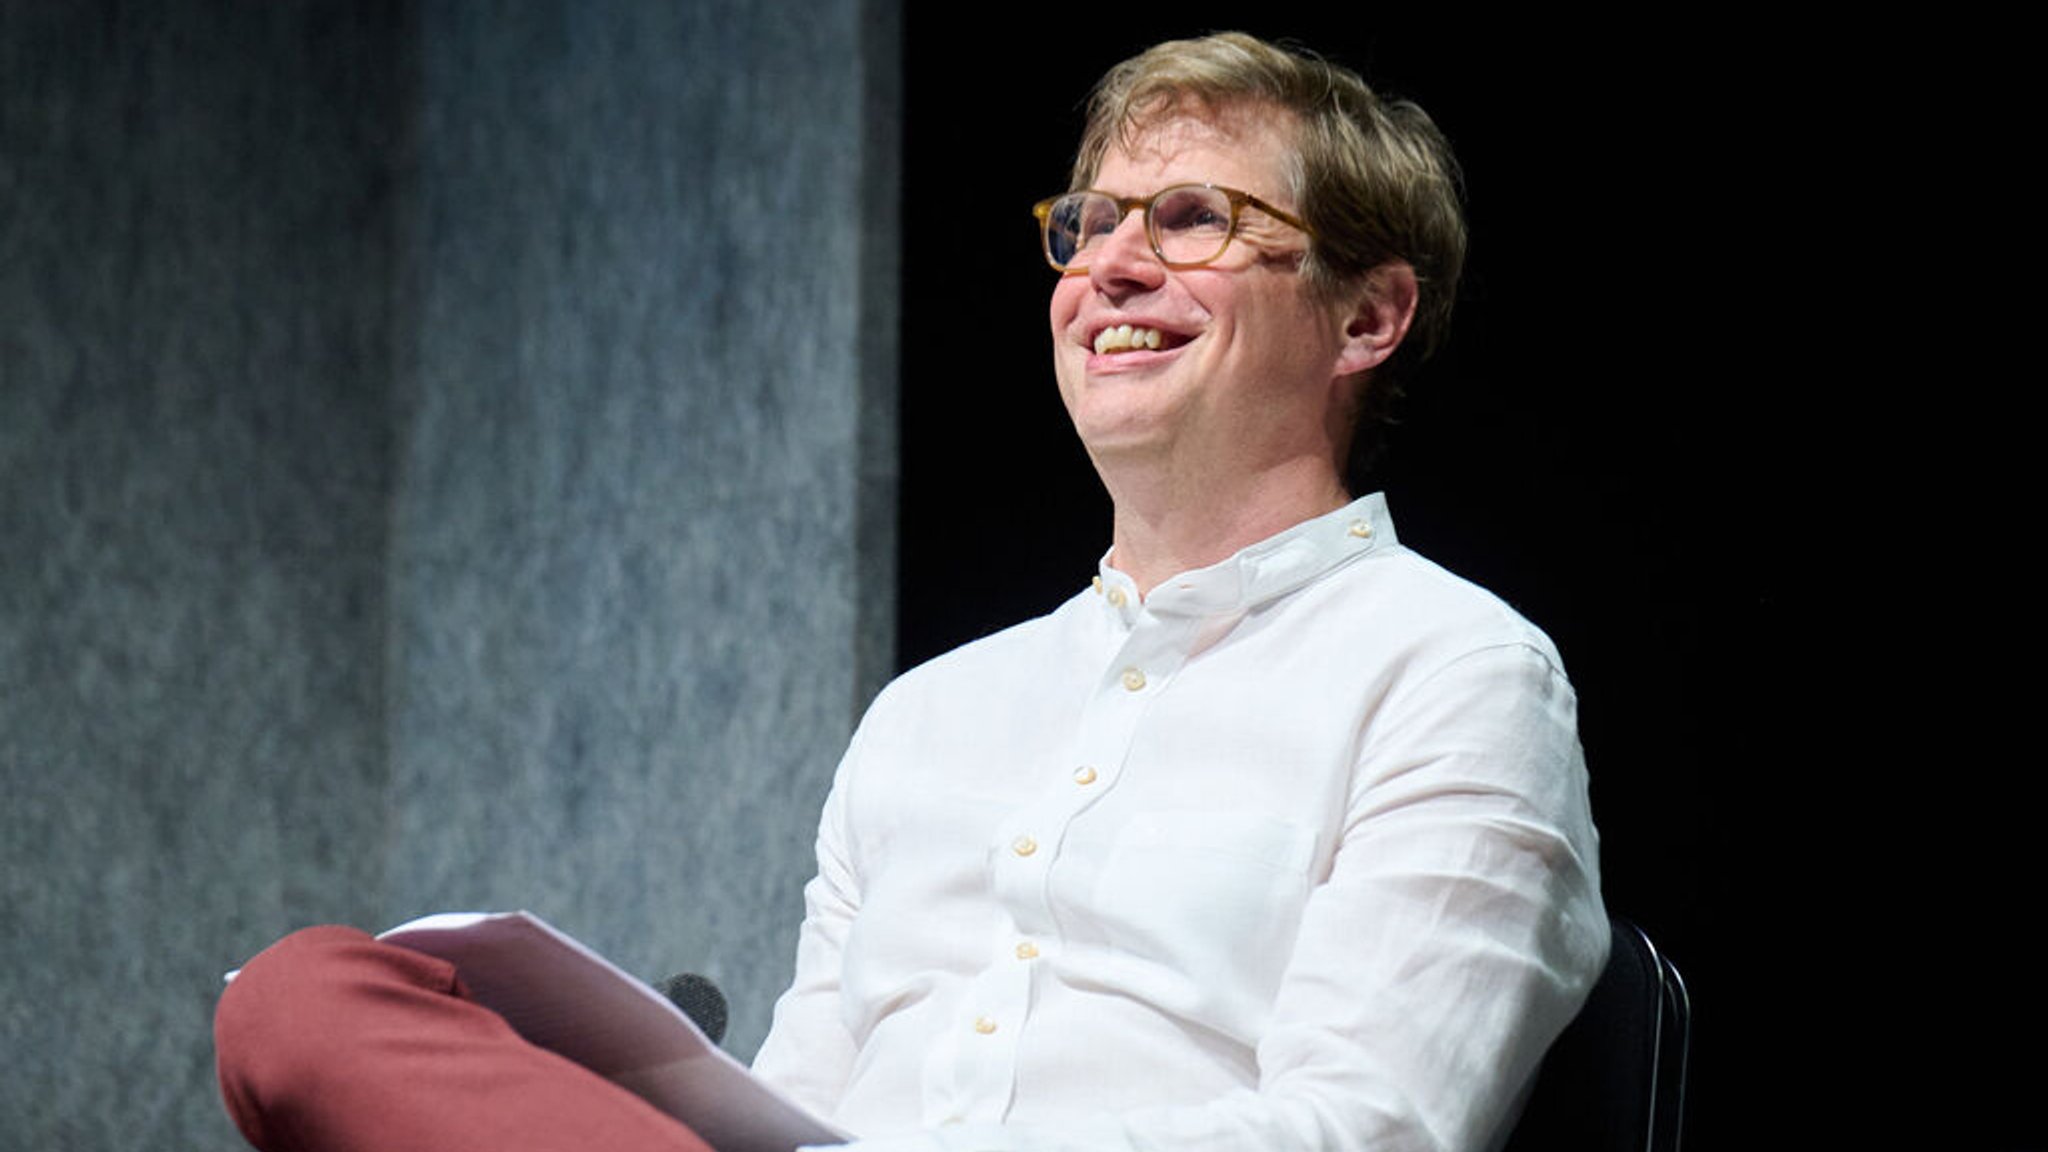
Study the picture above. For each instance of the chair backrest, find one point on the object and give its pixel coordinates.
(1615, 1079)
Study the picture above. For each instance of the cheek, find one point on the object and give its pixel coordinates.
(1066, 302)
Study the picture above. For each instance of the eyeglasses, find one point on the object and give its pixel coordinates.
(1189, 225)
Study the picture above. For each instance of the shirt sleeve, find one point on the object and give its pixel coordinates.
(809, 1051)
(1459, 930)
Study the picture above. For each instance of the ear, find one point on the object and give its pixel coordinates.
(1379, 320)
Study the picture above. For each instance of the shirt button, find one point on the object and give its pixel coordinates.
(1084, 775)
(1116, 597)
(1361, 528)
(984, 1025)
(1023, 845)
(1133, 679)
(1027, 951)
(1098, 585)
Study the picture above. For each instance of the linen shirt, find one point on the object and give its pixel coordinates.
(1295, 853)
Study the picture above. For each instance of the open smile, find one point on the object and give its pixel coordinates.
(1136, 338)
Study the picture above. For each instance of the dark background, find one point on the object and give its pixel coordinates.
(1677, 425)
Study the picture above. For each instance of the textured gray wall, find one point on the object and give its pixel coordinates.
(194, 457)
(628, 535)
(446, 460)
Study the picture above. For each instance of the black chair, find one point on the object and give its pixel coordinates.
(1615, 1079)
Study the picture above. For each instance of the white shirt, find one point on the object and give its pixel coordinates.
(1294, 854)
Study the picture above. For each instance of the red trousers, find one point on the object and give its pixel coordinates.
(332, 1042)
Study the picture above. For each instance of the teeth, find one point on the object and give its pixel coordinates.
(1124, 337)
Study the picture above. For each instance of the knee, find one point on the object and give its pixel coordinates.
(286, 1015)
(260, 1022)
(306, 1015)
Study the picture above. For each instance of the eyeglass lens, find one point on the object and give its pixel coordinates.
(1189, 224)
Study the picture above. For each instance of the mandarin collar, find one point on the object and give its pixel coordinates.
(1271, 568)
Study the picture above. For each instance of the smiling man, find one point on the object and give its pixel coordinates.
(1274, 837)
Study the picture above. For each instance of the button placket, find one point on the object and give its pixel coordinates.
(1026, 848)
(1149, 657)
(1135, 672)
(995, 1013)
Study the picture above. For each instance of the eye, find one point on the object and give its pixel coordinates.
(1096, 216)
(1192, 210)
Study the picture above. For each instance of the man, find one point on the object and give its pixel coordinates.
(1276, 837)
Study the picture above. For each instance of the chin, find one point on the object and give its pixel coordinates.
(1121, 438)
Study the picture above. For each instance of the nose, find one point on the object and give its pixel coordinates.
(1124, 261)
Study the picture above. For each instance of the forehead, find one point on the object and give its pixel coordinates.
(1250, 149)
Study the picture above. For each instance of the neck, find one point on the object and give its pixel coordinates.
(1168, 524)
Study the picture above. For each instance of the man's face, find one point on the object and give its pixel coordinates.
(1245, 374)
